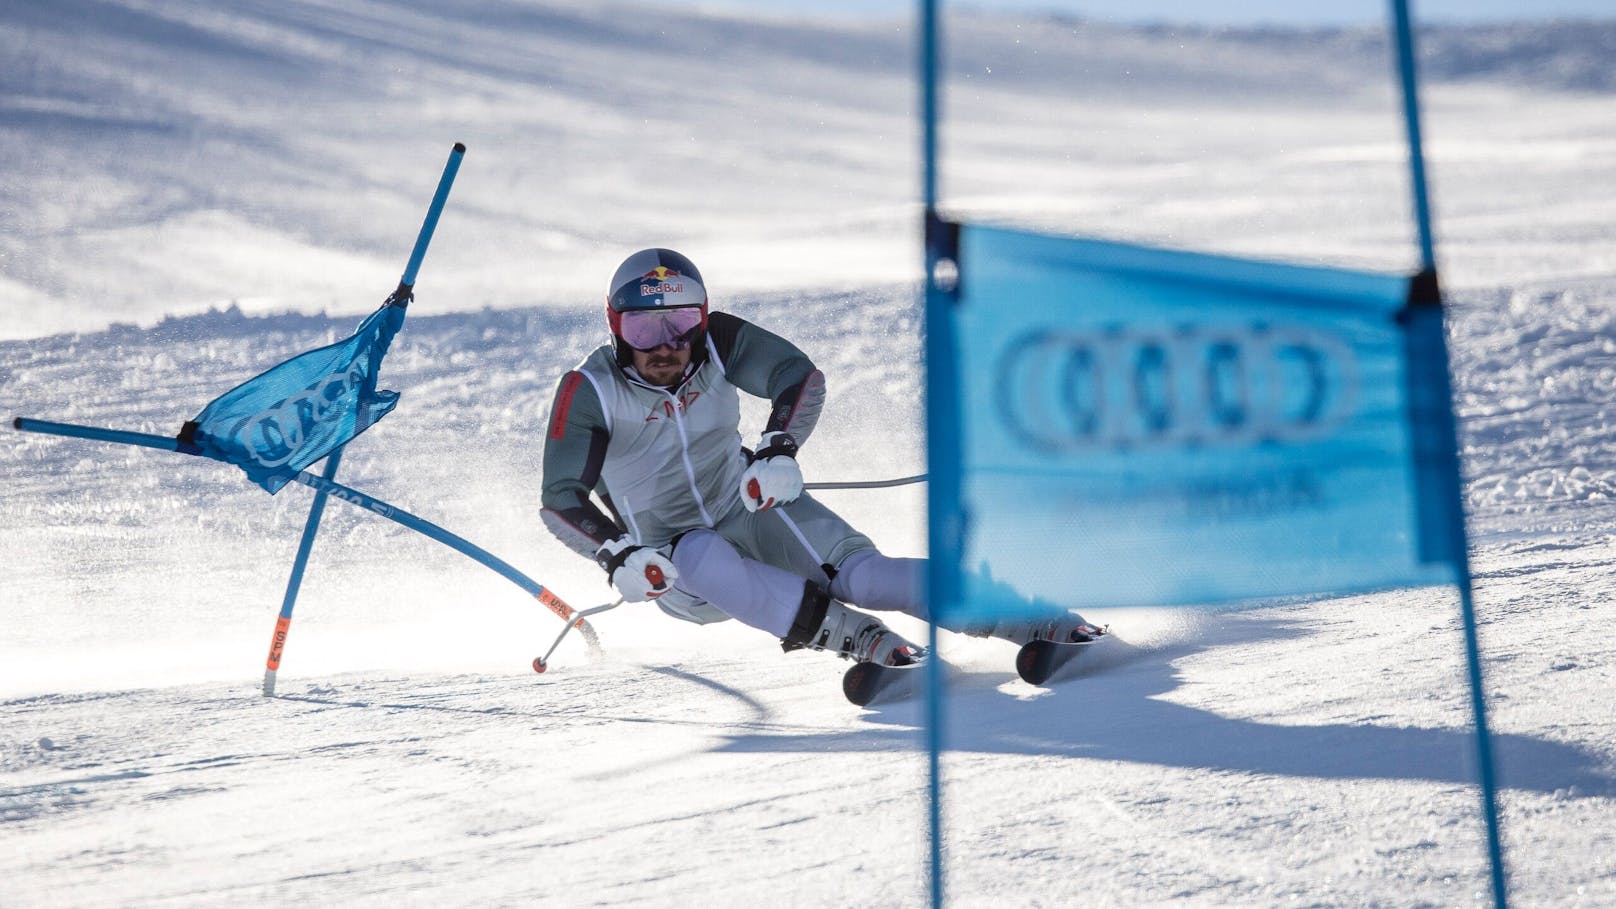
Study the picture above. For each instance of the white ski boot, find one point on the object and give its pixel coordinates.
(825, 624)
(1061, 628)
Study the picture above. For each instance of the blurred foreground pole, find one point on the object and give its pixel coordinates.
(1422, 216)
(942, 427)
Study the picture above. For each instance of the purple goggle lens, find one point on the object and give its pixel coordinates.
(646, 329)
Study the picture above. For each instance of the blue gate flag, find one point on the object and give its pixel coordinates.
(1140, 426)
(281, 421)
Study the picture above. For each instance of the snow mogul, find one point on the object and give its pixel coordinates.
(706, 528)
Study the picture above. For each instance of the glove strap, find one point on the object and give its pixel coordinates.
(777, 444)
(611, 561)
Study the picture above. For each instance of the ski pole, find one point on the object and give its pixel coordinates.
(867, 484)
(542, 663)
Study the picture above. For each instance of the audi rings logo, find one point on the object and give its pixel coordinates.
(1199, 385)
(274, 436)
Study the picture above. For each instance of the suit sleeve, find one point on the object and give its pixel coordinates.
(574, 449)
(760, 362)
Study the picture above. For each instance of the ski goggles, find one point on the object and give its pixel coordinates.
(647, 329)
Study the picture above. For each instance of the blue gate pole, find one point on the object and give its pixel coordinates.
(942, 435)
(428, 226)
(283, 624)
(401, 297)
(1484, 750)
(1401, 21)
(1416, 149)
(326, 486)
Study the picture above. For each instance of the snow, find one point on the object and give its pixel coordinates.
(200, 191)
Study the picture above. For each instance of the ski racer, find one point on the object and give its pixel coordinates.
(707, 529)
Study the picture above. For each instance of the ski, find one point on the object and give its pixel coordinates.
(1040, 662)
(1037, 662)
(872, 683)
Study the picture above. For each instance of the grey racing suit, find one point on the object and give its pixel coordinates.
(667, 464)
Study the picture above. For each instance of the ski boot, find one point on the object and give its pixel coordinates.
(1061, 628)
(824, 624)
(1050, 645)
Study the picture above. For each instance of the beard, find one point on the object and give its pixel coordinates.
(666, 371)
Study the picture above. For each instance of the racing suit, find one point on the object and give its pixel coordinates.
(667, 465)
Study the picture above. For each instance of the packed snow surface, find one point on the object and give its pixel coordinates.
(196, 191)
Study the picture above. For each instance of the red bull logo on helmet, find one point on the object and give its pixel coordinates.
(657, 281)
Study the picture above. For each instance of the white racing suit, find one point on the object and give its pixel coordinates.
(667, 463)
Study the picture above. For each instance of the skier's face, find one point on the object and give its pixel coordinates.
(662, 365)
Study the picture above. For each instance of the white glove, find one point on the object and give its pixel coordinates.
(773, 478)
(638, 572)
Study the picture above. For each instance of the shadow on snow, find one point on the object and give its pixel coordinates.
(1111, 711)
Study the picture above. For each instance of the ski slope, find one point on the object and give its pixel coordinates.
(201, 191)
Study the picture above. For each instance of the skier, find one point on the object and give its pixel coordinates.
(707, 529)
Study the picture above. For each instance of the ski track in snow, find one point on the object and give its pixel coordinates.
(180, 235)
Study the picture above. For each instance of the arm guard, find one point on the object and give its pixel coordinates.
(574, 449)
(796, 410)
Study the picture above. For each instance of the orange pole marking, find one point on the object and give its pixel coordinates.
(278, 642)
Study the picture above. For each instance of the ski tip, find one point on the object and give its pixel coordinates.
(1040, 662)
(856, 685)
(866, 684)
(1033, 662)
(16, 422)
(460, 148)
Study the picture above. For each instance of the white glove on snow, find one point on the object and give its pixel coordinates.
(638, 572)
(773, 477)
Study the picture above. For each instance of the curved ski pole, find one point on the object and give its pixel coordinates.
(542, 663)
(352, 496)
(867, 484)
